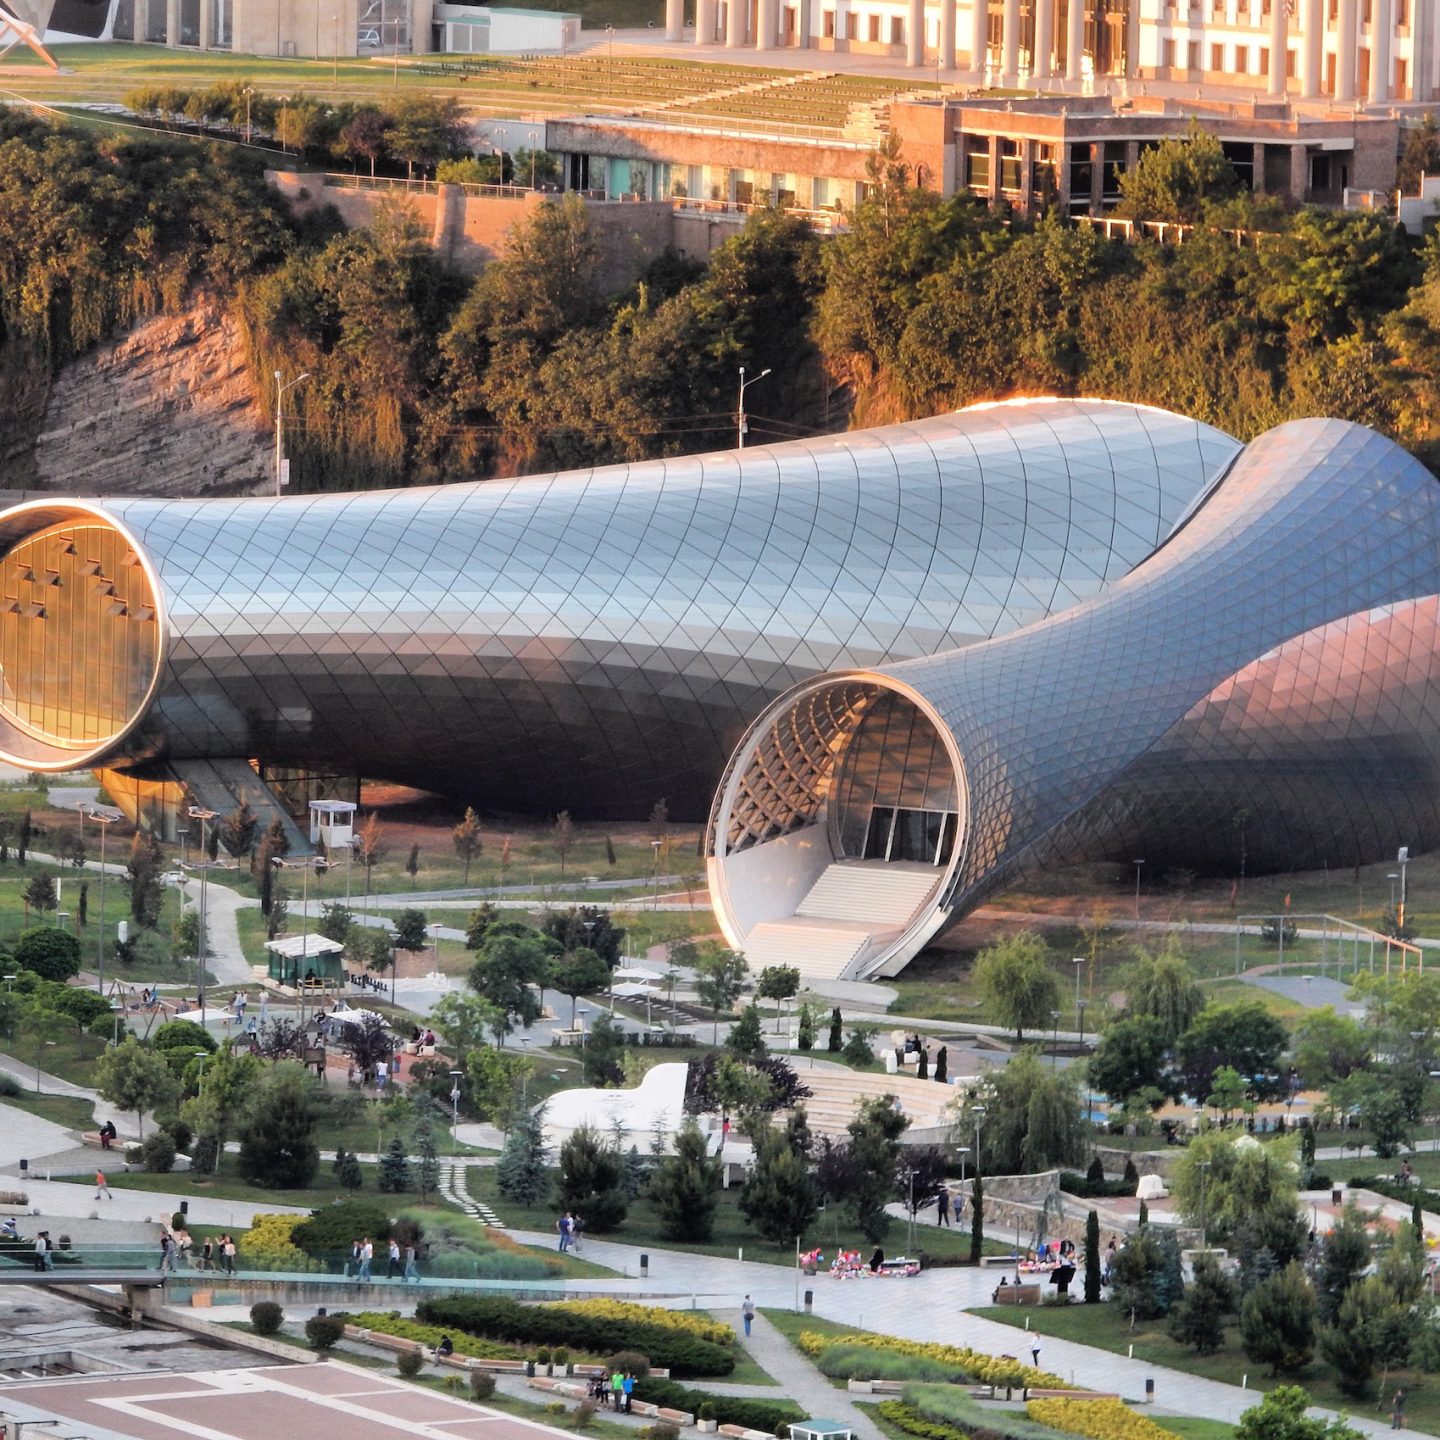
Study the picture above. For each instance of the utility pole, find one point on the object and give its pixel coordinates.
(280, 476)
(740, 426)
(204, 816)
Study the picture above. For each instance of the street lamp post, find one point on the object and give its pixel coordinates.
(204, 816)
(655, 877)
(1055, 1042)
(1392, 877)
(1138, 864)
(1082, 1007)
(740, 425)
(455, 1110)
(1402, 859)
(533, 136)
(1079, 963)
(280, 476)
(1204, 1166)
(104, 822)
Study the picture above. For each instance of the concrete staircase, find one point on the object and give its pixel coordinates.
(852, 903)
(454, 1189)
(836, 1095)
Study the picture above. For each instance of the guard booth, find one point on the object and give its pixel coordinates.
(305, 963)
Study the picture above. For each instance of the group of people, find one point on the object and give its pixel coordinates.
(571, 1227)
(613, 1387)
(217, 1253)
(400, 1262)
(420, 1037)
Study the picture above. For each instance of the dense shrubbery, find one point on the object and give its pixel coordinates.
(772, 1415)
(497, 1319)
(912, 1422)
(999, 1370)
(266, 1317)
(329, 1232)
(430, 1335)
(626, 1312)
(951, 1405)
(324, 1332)
(1088, 1189)
(865, 1362)
(269, 1245)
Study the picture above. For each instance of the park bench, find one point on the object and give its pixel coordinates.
(1016, 1295)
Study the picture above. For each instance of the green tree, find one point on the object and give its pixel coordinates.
(412, 863)
(336, 921)
(1162, 988)
(427, 1157)
(779, 1195)
(348, 1172)
(1245, 1036)
(233, 1078)
(24, 835)
(276, 1145)
(133, 1077)
(363, 137)
(1344, 1254)
(977, 1217)
(805, 1029)
(875, 1153)
(506, 973)
(745, 1037)
(719, 983)
(143, 869)
(1381, 1106)
(603, 1051)
(1145, 1276)
(1277, 1321)
(1033, 1120)
(39, 894)
(1018, 982)
(685, 1188)
(778, 982)
(52, 953)
(1176, 179)
(576, 973)
(463, 1021)
(1228, 1178)
(1093, 1273)
(1129, 1058)
(836, 1041)
(238, 831)
(467, 841)
(496, 1079)
(395, 1167)
(1327, 1046)
(1210, 1299)
(1227, 1093)
(562, 836)
(521, 1173)
(859, 1049)
(591, 1182)
(1281, 1416)
(425, 130)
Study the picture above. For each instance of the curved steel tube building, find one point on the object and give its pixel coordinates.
(592, 641)
(1267, 683)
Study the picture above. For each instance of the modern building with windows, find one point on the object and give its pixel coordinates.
(1263, 691)
(592, 641)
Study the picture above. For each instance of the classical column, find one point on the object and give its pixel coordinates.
(915, 35)
(735, 17)
(803, 38)
(172, 25)
(207, 24)
(1345, 49)
(765, 24)
(947, 35)
(979, 36)
(1043, 61)
(1010, 44)
(1312, 48)
(1279, 44)
(1074, 39)
(1381, 39)
(674, 19)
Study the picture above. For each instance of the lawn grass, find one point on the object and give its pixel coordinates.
(1195, 1427)
(793, 1323)
(70, 1111)
(1107, 1327)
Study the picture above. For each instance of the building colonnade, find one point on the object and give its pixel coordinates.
(1047, 40)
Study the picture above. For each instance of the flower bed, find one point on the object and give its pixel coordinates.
(771, 1415)
(628, 1313)
(912, 1422)
(494, 1318)
(1097, 1419)
(429, 1335)
(955, 1407)
(269, 1245)
(997, 1370)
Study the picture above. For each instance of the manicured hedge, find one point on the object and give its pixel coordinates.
(500, 1319)
(772, 1415)
(912, 1422)
(866, 1362)
(953, 1407)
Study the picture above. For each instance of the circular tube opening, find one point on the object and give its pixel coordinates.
(81, 635)
(840, 818)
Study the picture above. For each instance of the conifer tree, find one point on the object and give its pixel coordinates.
(746, 1037)
(779, 1196)
(348, 1171)
(1092, 1258)
(686, 1188)
(395, 1167)
(427, 1168)
(521, 1174)
(836, 1042)
(977, 1220)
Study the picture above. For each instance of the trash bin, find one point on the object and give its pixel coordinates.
(809, 1301)
(1149, 1390)
(644, 1266)
(1336, 1196)
(322, 1311)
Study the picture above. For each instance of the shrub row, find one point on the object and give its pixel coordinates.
(430, 1335)
(1392, 1189)
(627, 1312)
(1097, 1419)
(865, 1362)
(500, 1319)
(912, 1422)
(953, 1407)
(772, 1415)
(972, 1364)
(1102, 1189)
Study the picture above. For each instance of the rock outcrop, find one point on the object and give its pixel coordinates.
(168, 409)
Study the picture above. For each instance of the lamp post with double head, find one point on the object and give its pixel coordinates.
(204, 816)
(740, 426)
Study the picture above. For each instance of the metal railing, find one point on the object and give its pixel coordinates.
(335, 180)
(65, 1259)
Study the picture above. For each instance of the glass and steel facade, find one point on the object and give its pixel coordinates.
(1268, 682)
(592, 641)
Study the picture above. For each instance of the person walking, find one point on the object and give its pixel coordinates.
(167, 1253)
(747, 1313)
(367, 1254)
(1397, 1410)
(577, 1230)
(101, 1187)
(353, 1265)
(1035, 1354)
(228, 1249)
(207, 1255)
(393, 1268)
(563, 1226)
(942, 1206)
(42, 1258)
(411, 1270)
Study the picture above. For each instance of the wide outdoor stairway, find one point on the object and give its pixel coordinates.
(851, 903)
(835, 1094)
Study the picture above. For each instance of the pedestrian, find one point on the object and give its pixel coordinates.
(577, 1230)
(167, 1252)
(942, 1206)
(367, 1254)
(394, 1266)
(207, 1255)
(629, 1388)
(1397, 1410)
(563, 1226)
(228, 1244)
(101, 1188)
(353, 1265)
(411, 1271)
(41, 1258)
(747, 1313)
(1035, 1354)
(617, 1391)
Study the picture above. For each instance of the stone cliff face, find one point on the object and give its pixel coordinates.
(168, 409)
